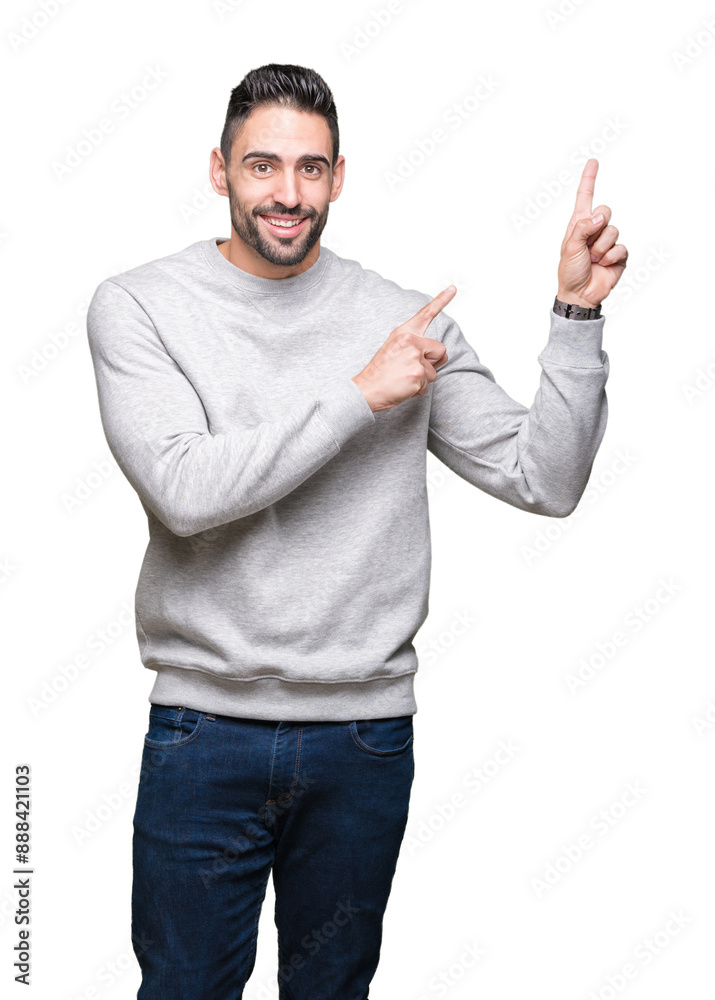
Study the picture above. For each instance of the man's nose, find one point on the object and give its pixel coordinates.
(287, 191)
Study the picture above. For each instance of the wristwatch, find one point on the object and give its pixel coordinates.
(571, 311)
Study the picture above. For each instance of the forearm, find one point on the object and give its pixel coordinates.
(559, 438)
(195, 481)
(192, 478)
(561, 434)
(535, 458)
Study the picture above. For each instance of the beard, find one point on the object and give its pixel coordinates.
(276, 250)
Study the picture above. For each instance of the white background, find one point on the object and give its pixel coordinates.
(467, 876)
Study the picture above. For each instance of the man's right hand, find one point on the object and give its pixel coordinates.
(407, 361)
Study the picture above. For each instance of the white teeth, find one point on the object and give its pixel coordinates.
(286, 224)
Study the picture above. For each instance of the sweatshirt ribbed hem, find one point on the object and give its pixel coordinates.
(287, 701)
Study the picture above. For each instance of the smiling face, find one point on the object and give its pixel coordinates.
(279, 185)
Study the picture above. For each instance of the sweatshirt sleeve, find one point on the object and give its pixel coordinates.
(540, 458)
(157, 431)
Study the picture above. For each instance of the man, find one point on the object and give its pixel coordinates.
(272, 404)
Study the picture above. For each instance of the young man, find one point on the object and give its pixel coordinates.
(272, 404)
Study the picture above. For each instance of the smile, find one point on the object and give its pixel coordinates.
(282, 226)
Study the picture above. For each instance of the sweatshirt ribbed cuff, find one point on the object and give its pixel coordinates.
(345, 411)
(575, 342)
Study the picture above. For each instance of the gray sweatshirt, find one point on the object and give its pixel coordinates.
(288, 563)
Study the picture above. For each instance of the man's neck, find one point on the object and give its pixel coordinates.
(237, 252)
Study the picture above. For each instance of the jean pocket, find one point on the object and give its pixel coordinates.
(383, 737)
(171, 726)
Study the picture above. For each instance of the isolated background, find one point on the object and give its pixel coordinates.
(518, 602)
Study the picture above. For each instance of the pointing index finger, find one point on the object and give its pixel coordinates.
(424, 316)
(430, 309)
(584, 195)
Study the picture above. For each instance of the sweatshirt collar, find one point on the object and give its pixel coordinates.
(255, 283)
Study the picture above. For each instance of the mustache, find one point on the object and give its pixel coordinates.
(280, 212)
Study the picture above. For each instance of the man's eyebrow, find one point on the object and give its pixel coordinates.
(312, 157)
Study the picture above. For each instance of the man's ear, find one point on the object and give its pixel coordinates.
(217, 172)
(338, 178)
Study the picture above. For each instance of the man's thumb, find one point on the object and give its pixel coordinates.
(586, 227)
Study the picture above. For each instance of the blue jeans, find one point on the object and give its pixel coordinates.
(222, 801)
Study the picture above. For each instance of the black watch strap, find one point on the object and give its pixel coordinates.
(571, 311)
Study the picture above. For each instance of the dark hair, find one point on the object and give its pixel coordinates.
(283, 85)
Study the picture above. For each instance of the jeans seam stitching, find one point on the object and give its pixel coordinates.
(297, 759)
(182, 743)
(380, 753)
(252, 956)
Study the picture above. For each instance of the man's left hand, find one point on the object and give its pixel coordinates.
(591, 260)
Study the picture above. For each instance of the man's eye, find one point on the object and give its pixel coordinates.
(312, 167)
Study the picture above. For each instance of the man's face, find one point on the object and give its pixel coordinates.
(280, 170)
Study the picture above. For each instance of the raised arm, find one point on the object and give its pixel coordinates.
(539, 458)
(157, 431)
